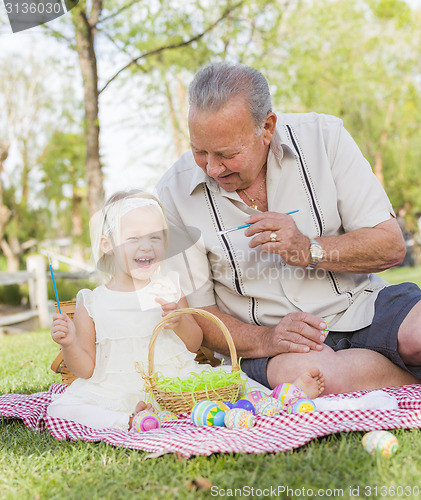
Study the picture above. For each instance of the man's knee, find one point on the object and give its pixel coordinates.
(409, 337)
(289, 366)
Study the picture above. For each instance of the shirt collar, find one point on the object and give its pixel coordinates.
(279, 145)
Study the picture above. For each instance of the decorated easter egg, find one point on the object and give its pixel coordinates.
(382, 442)
(207, 413)
(255, 396)
(167, 416)
(325, 332)
(245, 404)
(145, 421)
(229, 404)
(268, 406)
(224, 405)
(237, 418)
(287, 394)
(303, 405)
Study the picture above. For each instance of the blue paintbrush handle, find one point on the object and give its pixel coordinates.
(247, 225)
(55, 289)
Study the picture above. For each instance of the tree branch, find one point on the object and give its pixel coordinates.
(173, 46)
(95, 13)
(69, 41)
(117, 12)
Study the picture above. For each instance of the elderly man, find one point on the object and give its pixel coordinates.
(278, 282)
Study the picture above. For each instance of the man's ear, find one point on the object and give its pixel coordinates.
(106, 246)
(269, 127)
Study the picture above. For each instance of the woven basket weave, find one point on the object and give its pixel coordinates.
(185, 401)
(203, 355)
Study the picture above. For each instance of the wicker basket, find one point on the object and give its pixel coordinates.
(203, 355)
(184, 402)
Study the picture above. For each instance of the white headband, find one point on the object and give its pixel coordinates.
(126, 205)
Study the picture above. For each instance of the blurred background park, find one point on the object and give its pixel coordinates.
(96, 101)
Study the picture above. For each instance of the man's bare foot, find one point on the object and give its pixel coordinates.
(311, 382)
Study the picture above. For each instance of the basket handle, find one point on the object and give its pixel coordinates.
(199, 312)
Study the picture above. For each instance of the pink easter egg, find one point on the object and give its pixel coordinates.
(255, 396)
(145, 421)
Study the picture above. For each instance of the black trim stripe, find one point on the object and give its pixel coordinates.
(253, 310)
(307, 181)
(225, 241)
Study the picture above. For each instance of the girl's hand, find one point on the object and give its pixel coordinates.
(63, 330)
(168, 307)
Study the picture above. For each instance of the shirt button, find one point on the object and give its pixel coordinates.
(296, 299)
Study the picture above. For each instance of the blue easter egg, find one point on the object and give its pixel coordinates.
(207, 413)
(245, 404)
(229, 404)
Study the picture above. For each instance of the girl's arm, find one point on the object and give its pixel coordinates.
(77, 340)
(184, 326)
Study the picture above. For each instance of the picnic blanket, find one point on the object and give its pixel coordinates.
(270, 434)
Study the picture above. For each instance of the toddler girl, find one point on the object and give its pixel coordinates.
(113, 323)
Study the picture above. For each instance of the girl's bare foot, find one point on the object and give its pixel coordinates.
(311, 382)
(141, 406)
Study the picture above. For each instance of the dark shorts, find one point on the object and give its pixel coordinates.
(390, 309)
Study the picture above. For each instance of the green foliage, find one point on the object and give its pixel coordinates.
(68, 288)
(11, 295)
(64, 184)
(357, 60)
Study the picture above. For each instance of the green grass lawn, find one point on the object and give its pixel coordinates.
(36, 466)
(398, 275)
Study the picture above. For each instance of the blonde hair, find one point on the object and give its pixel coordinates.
(106, 222)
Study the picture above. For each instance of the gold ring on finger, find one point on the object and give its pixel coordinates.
(273, 236)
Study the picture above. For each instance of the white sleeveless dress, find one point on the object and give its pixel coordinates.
(124, 322)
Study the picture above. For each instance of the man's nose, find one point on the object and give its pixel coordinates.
(214, 166)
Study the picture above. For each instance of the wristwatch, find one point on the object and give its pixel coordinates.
(316, 254)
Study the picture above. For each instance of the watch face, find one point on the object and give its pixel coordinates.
(316, 251)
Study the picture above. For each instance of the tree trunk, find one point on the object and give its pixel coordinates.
(4, 211)
(11, 258)
(85, 37)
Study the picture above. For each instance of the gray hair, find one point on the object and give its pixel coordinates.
(214, 85)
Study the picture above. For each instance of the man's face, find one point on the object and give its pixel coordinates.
(227, 147)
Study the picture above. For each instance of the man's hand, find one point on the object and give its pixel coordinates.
(296, 332)
(292, 245)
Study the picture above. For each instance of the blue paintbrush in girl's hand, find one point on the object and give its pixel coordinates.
(224, 231)
(54, 283)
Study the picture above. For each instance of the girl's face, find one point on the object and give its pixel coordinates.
(142, 245)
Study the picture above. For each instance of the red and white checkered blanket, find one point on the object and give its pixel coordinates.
(270, 434)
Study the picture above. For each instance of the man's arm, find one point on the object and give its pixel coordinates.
(296, 332)
(364, 250)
